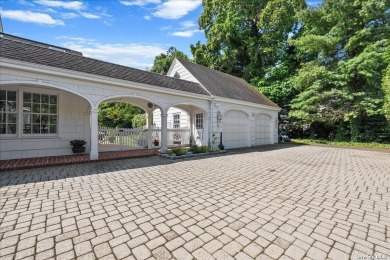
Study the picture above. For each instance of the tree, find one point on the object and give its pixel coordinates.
(342, 83)
(386, 86)
(276, 83)
(118, 114)
(162, 62)
(245, 37)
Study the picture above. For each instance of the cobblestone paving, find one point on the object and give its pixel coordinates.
(286, 202)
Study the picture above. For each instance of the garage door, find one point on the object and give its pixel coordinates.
(235, 129)
(263, 129)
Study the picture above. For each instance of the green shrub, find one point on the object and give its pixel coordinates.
(194, 148)
(215, 150)
(203, 149)
(178, 151)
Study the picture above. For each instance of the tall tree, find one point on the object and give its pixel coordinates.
(163, 61)
(276, 82)
(343, 82)
(119, 114)
(244, 37)
(386, 86)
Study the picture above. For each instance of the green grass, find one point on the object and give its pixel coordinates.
(350, 144)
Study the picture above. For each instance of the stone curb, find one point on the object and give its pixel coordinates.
(192, 155)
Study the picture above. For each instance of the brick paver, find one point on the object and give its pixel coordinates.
(280, 202)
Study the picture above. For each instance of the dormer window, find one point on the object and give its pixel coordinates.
(177, 75)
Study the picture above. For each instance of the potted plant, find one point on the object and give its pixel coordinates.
(156, 142)
(78, 146)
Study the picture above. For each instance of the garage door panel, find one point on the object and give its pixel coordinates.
(235, 129)
(263, 130)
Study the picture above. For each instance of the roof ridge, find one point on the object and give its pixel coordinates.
(200, 83)
(215, 70)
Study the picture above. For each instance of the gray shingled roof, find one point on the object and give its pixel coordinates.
(20, 49)
(224, 85)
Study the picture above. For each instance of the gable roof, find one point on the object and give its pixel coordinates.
(224, 85)
(25, 50)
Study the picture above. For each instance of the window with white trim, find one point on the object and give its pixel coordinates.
(8, 112)
(176, 121)
(199, 121)
(40, 113)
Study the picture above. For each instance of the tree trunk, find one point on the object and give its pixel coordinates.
(355, 129)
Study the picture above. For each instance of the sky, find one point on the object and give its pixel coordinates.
(127, 32)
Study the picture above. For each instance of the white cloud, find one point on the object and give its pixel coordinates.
(166, 28)
(24, 2)
(187, 29)
(188, 24)
(147, 17)
(131, 54)
(186, 34)
(30, 17)
(175, 9)
(72, 5)
(77, 39)
(69, 15)
(139, 2)
(48, 10)
(90, 16)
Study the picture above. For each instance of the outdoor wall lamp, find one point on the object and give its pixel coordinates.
(219, 117)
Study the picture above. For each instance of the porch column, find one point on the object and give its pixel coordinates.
(192, 127)
(94, 154)
(164, 133)
(150, 129)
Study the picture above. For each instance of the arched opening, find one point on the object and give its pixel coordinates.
(187, 124)
(126, 123)
(40, 120)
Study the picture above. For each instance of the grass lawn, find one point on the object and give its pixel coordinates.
(349, 144)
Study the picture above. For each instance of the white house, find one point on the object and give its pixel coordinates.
(50, 95)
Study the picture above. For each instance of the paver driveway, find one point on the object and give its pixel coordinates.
(282, 202)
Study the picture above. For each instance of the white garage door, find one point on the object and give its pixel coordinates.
(235, 129)
(263, 129)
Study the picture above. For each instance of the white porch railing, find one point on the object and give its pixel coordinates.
(112, 139)
(176, 136)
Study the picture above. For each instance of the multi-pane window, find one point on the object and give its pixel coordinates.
(176, 121)
(8, 112)
(199, 121)
(40, 113)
